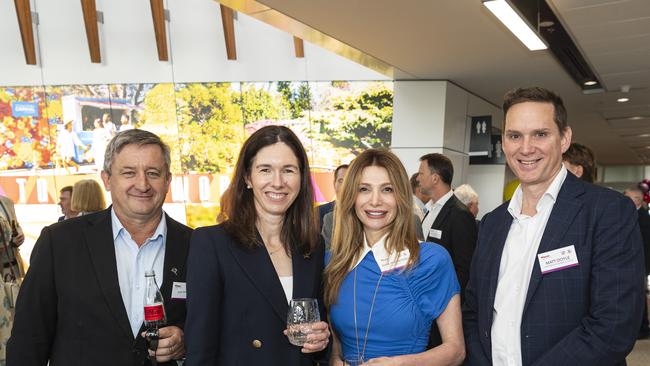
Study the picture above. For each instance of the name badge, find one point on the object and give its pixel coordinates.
(394, 261)
(558, 259)
(436, 234)
(179, 291)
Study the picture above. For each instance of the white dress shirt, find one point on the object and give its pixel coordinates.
(515, 269)
(434, 210)
(132, 262)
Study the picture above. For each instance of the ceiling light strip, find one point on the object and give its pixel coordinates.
(515, 23)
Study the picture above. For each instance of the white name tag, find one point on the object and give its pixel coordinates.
(436, 234)
(394, 261)
(558, 259)
(179, 291)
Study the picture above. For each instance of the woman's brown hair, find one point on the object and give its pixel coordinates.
(347, 237)
(300, 226)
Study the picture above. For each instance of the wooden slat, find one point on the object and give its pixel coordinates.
(24, 14)
(158, 14)
(227, 19)
(89, 9)
(299, 47)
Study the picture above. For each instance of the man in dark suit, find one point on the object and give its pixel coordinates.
(557, 277)
(65, 201)
(448, 221)
(328, 207)
(81, 302)
(636, 195)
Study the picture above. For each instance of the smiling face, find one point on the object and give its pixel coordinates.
(275, 179)
(533, 144)
(375, 204)
(138, 183)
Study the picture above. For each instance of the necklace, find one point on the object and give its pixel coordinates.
(361, 354)
(271, 252)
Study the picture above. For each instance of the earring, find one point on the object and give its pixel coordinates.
(248, 186)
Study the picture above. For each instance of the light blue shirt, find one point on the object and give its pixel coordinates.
(132, 262)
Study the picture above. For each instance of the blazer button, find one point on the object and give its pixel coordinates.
(257, 343)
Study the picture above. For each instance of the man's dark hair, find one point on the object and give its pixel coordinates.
(578, 154)
(440, 165)
(338, 168)
(66, 189)
(539, 95)
(414, 182)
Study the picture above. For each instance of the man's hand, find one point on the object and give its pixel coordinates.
(171, 345)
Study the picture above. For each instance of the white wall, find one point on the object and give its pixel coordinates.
(196, 44)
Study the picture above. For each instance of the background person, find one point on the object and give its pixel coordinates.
(87, 197)
(580, 160)
(468, 196)
(419, 198)
(65, 199)
(11, 261)
(243, 272)
(384, 288)
(324, 209)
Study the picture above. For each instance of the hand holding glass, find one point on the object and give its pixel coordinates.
(302, 314)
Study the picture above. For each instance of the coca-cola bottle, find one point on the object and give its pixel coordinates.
(154, 309)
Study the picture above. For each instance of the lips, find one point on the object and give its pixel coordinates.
(376, 214)
(276, 196)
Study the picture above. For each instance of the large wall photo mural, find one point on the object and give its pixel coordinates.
(52, 136)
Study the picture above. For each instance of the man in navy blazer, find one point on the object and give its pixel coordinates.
(557, 275)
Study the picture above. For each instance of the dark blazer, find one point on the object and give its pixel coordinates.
(644, 225)
(459, 233)
(70, 309)
(237, 309)
(324, 209)
(583, 315)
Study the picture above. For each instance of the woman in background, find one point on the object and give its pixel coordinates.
(242, 273)
(383, 287)
(87, 197)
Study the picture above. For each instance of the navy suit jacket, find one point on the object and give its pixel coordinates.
(583, 315)
(70, 309)
(324, 209)
(237, 309)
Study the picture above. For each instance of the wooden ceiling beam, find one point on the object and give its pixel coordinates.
(158, 15)
(24, 15)
(299, 47)
(227, 19)
(89, 8)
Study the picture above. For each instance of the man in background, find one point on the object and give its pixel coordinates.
(419, 199)
(468, 196)
(339, 174)
(580, 160)
(65, 199)
(636, 195)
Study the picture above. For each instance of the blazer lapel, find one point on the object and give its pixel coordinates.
(564, 212)
(493, 259)
(175, 255)
(257, 265)
(99, 240)
(303, 285)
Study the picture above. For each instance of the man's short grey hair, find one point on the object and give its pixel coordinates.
(134, 137)
(466, 194)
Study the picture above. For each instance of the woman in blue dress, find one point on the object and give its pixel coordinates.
(384, 288)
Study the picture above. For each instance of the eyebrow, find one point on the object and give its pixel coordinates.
(270, 166)
(533, 131)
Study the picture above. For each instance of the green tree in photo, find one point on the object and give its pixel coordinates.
(259, 104)
(365, 120)
(210, 127)
(298, 101)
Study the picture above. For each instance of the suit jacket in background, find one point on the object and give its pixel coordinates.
(459, 233)
(70, 309)
(584, 315)
(237, 309)
(644, 225)
(324, 209)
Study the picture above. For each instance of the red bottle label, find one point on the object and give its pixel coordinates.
(154, 312)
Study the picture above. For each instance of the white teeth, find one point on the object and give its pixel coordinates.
(375, 213)
(276, 196)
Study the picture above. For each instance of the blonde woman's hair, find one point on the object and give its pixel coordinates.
(347, 238)
(87, 196)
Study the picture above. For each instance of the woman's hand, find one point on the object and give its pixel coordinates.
(317, 339)
(384, 361)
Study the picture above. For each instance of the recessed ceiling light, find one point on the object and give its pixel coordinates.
(644, 135)
(623, 100)
(635, 118)
(590, 83)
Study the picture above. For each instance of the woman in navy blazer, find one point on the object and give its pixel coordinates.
(266, 251)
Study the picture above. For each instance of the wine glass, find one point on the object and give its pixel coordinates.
(302, 314)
